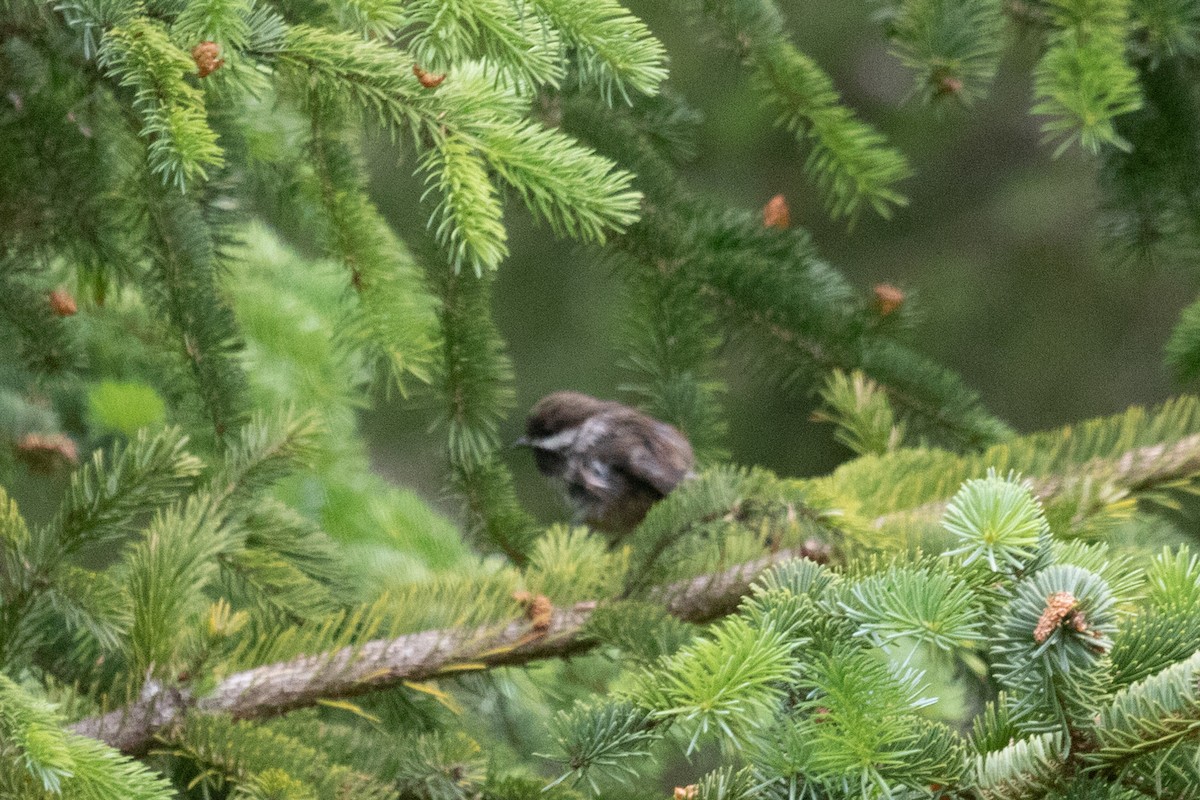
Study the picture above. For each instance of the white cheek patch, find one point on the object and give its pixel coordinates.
(558, 442)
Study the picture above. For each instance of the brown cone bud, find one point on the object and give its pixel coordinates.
(62, 303)
(888, 298)
(207, 58)
(685, 792)
(948, 84)
(776, 213)
(538, 608)
(429, 80)
(1060, 607)
(43, 453)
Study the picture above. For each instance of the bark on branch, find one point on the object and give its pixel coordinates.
(276, 688)
(1137, 470)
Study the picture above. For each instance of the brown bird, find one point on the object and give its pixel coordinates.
(615, 461)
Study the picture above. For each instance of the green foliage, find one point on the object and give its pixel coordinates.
(726, 784)
(109, 493)
(701, 525)
(641, 630)
(724, 681)
(920, 605)
(812, 684)
(1172, 27)
(997, 521)
(910, 478)
(1025, 767)
(255, 757)
(1150, 197)
(139, 55)
(439, 767)
(394, 320)
(181, 247)
(1183, 349)
(800, 317)
(1083, 81)
(41, 760)
(476, 385)
(569, 565)
(1166, 628)
(614, 49)
(862, 412)
(1149, 714)
(669, 356)
(952, 46)
(1055, 678)
(602, 737)
(850, 161)
(125, 407)
(45, 340)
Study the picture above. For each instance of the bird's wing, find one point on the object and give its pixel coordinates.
(645, 450)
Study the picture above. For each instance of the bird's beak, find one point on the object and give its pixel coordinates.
(522, 441)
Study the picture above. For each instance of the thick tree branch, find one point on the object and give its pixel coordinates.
(383, 663)
(1137, 470)
(380, 664)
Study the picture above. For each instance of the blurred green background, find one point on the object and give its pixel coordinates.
(997, 249)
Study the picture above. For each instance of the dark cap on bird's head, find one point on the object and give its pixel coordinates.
(560, 411)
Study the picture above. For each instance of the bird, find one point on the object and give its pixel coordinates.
(614, 461)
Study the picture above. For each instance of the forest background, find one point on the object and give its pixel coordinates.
(998, 252)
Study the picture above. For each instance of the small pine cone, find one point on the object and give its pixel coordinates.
(888, 298)
(430, 80)
(207, 58)
(1060, 606)
(62, 303)
(44, 453)
(685, 792)
(776, 213)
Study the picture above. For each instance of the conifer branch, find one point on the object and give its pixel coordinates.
(772, 284)
(952, 46)
(851, 162)
(395, 313)
(184, 261)
(476, 382)
(1142, 469)
(382, 663)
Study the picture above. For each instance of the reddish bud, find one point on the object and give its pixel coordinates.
(429, 80)
(887, 298)
(776, 213)
(948, 85)
(62, 303)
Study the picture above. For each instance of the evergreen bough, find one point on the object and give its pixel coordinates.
(224, 602)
